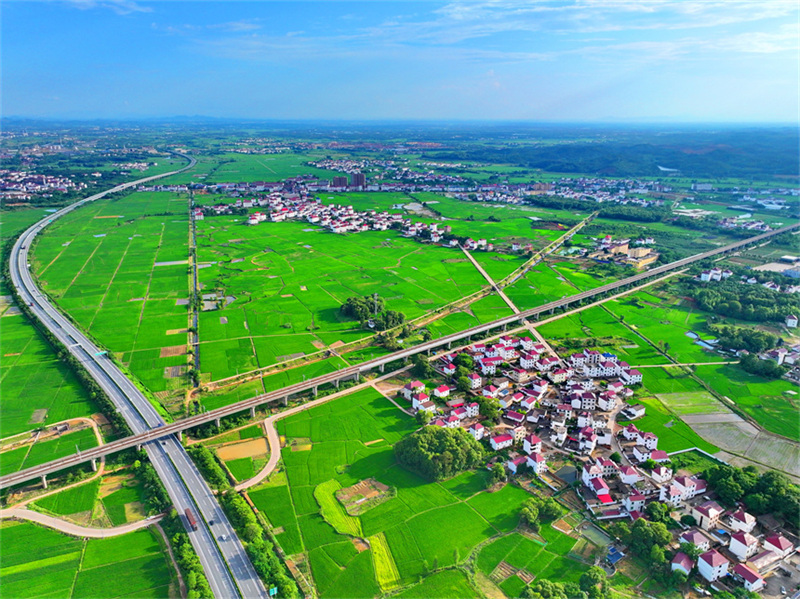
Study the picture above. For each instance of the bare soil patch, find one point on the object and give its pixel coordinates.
(172, 350)
(364, 495)
(373, 442)
(134, 511)
(360, 545)
(245, 449)
(318, 344)
(38, 416)
(336, 344)
(177, 331)
(174, 372)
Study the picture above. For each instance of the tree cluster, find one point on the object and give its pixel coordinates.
(537, 510)
(438, 453)
(260, 550)
(731, 298)
(768, 493)
(767, 368)
(362, 308)
(188, 562)
(753, 340)
(547, 589)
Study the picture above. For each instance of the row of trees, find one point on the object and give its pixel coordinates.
(538, 510)
(437, 453)
(371, 308)
(209, 467)
(593, 584)
(260, 550)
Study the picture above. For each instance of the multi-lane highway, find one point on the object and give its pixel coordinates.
(355, 371)
(229, 571)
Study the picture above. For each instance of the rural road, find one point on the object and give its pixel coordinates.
(18, 513)
(272, 435)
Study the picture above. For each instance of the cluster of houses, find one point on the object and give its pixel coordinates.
(732, 546)
(567, 405)
(717, 274)
(618, 191)
(623, 251)
(23, 185)
(742, 223)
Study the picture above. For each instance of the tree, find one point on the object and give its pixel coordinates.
(489, 407)
(463, 384)
(423, 417)
(529, 515)
(422, 367)
(438, 453)
(657, 511)
(616, 457)
(692, 550)
(497, 474)
(464, 360)
(593, 582)
(462, 371)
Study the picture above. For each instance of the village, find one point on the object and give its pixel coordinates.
(554, 408)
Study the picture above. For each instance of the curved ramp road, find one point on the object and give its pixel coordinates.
(76, 530)
(227, 567)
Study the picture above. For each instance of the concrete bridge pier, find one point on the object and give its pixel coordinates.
(449, 345)
(94, 465)
(336, 383)
(44, 481)
(138, 447)
(314, 391)
(253, 412)
(180, 436)
(358, 376)
(218, 422)
(382, 368)
(505, 327)
(285, 401)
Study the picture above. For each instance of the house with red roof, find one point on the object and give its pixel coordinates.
(477, 430)
(532, 444)
(499, 442)
(411, 389)
(741, 521)
(418, 399)
(472, 409)
(743, 545)
(600, 488)
(697, 538)
(629, 475)
(634, 502)
(442, 391)
(751, 579)
(475, 380)
(449, 369)
(779, 545)
(515, 417)
(514, 464)
(682, 562)
(712, 565)
(538, 463)
(707, 514)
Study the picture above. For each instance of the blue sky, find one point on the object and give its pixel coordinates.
(580, 60)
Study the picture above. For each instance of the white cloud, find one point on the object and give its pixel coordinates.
(121, 7)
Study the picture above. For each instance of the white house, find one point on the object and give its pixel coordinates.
(712, 566)
(634, 502)
(751, 579)
(411, 389)
(661, 474)
(442, 391)
(743, 545)
(477, 430)
(419, 399)
(629, 475)
(499, 442)
(741, 521)
(590, 472)
(558, 434)
(472, 410)
(452, 421)
(690, 487)
(641, 453)
(631, 376)
(791, 321)
(532, 444)
(449, 369)
(696, 538)
(490, 391)
(538, 463)
(600, 488)
(671, 494)
(682, 562)
(707, 514)
(779, 545)
(475, 380)
(649, 440)
(630, 433)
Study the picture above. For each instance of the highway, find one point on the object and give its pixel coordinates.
(227, 567)
(169, 430)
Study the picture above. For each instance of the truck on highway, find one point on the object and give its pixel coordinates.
(190, 518)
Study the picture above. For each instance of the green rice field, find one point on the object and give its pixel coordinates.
(350, 439)
(118, 268)
(39, 562)
(46, 451)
